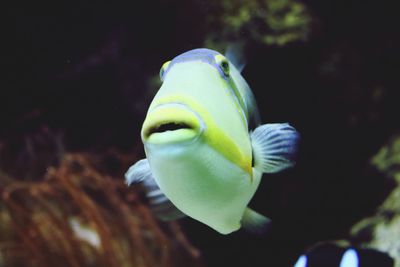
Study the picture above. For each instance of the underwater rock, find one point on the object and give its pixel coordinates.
(382, 230)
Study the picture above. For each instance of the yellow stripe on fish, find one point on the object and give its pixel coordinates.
(212, 134)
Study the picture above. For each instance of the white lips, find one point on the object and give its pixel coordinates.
(171, 123)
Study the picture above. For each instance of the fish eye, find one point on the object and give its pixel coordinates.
(164, 67)
(223, 64)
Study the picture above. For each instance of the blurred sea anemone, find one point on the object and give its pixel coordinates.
(77, 214)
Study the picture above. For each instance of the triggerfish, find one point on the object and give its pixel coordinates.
(206, 150)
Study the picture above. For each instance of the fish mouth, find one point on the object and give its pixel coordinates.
(171, 123)
(169, 126)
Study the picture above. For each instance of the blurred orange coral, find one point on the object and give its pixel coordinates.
(80, 216)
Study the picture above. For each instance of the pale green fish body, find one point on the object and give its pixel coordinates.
(198, 145)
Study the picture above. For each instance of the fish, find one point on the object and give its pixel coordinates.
(331, 255)
(205, 147)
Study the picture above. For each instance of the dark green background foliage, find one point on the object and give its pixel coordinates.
(330, 68)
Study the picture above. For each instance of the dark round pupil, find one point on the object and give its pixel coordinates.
(225, 66)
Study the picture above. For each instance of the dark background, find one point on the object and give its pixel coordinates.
(88, 71)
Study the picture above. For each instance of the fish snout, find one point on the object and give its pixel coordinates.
(171, 123)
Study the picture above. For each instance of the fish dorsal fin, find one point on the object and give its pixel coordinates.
(160, 205)
(274, 147)
(234, 53)
(254, 222)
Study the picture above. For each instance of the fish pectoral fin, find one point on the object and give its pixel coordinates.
(138, 172)
(274, 147)
(254, 222)
(160, 205)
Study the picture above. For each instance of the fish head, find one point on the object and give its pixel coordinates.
(197, 93)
